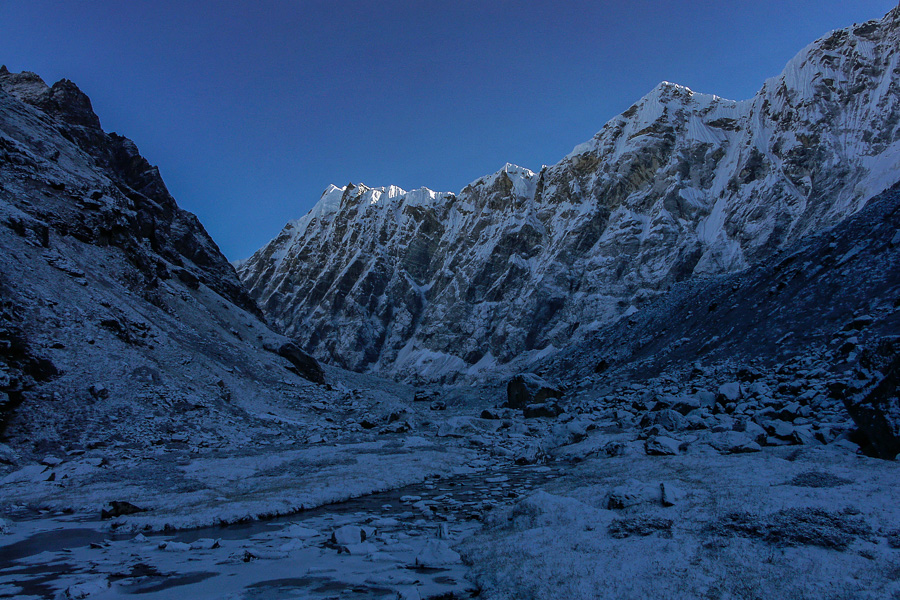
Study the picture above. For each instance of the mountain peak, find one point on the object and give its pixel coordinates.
(681, 184)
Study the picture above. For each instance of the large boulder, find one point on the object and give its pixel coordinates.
(302, 363)
(871, 396)
(528, 388)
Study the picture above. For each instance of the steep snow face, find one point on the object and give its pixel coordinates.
(425, 284)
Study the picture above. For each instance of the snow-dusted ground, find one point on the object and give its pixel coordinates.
(696, 525)
(722, 537)
(657, 488)
(377, 545)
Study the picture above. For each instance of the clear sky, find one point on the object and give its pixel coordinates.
(251, 109)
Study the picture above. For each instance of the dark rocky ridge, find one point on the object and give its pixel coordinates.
(151, 224)
(121, 322)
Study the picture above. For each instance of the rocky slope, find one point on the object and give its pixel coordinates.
(427, 285)
(121, 323)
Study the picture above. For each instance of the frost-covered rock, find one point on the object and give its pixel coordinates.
(669, 419)
(204, 544)
(528, 388)
(304, 364)
(731, 392)
(871, 396)
(661, 445)
(733, 442)
(87, 588)
(348, 535)
(547, 410)
(359, 549)
(299, 532)
(174, 546)
(671, 494)
(631, 493)
(436, 553)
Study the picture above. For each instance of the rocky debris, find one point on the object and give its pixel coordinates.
(425, 396)
(302, 363)
(85, 589)
(818, 479)
(527, 389)
(640, 526)
(51, 461)
(490, 413)
(118, 508)
(872, 396)
(798, 526)
(467, 427)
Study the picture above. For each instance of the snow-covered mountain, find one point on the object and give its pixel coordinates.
(120, 320)
(432, 285)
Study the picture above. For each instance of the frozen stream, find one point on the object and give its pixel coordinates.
(407, 550)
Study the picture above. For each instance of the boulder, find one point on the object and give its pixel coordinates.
(529, 455)
(730, 392)
(348, 535)
(733, 442)
(669, 419)
(436, 553)
(871, 396)
(549, 410)
(302, 363)
(358, 549)
(99, 391)
(670, 494)
(707, 399)
(686, 404)
(118, 509)
(425, 396)
(662, 446)
(630, 493)
(490, 413)
(528, 388)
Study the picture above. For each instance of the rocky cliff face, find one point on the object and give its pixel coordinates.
(120, 321)
(432, 285)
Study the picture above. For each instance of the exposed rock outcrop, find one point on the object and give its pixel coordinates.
(120, 320)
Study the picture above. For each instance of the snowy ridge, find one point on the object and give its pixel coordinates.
(681, 184)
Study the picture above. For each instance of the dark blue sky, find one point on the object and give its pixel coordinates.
(251, 109)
